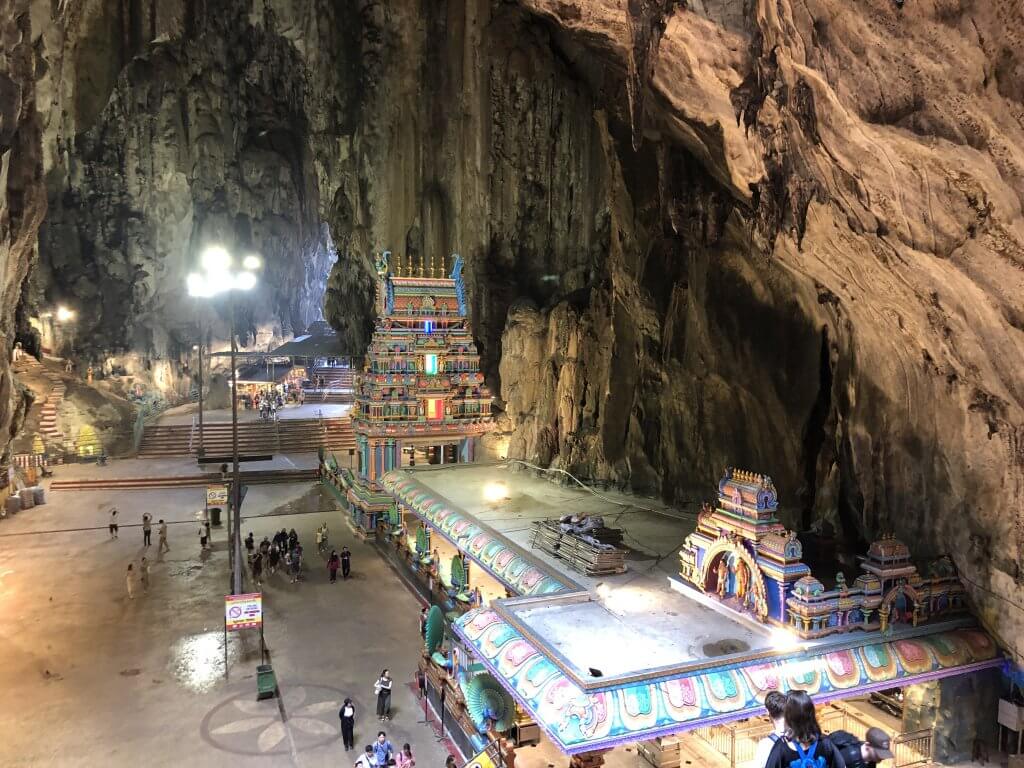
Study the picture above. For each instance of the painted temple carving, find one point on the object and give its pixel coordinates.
(745, 557)
(421, 392)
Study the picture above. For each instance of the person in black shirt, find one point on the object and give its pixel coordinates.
(863, 754)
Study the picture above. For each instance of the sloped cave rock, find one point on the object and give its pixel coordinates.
(783, 236)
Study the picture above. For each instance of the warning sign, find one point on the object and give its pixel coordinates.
(216, 495)
(243, 611)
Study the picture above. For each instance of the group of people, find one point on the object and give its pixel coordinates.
(284, 548)
(797, 740)
(142, 573)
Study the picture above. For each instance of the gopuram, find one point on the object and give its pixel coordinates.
(742, 555)
(421, 395)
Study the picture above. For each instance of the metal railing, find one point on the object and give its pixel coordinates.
(737, 742)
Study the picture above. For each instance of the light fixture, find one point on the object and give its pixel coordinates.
(215, 260)
(251, 262)
(64, 314)
(245, 281)
(495, 492)
(199, 285)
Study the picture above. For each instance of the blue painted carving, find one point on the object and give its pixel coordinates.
(460, 287)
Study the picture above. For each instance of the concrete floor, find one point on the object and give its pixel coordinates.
(93, 678)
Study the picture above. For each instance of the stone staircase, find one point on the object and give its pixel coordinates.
(42, 417)
(283, 436)
(337, 384)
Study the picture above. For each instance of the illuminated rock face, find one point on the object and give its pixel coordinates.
(772, 234)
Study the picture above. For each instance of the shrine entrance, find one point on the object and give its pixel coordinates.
(421, 455)
(732, 574)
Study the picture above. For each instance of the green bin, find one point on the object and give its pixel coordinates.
(266, 682)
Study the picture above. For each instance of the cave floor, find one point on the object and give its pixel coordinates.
(91, 677)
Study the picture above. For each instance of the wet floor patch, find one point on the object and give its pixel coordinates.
(725, 647)
(197, 661)
(315, 500)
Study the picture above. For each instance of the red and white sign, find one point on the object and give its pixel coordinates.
(243, 611)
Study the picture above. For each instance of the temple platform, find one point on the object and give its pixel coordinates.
(602, 662)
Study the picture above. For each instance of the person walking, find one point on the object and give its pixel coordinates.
(250, 545)
(129, 582)
(803, 746)
(163, 546)
(449, 762)
(295, 564)
(144, 574)
(383, 690)
(265, 547)
(274, 558)
(775, 704)
(423, 624)
(202, 537)
(347, 714)
(318, 538)
(147, 529)
(257, 568)
(366, 760)
(333, 563)
(404, 759)
(113, 523)
(382, 750)
(346, 562)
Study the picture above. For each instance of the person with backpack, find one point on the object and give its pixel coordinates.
(775, 704)
(863, 754)
(803, 745)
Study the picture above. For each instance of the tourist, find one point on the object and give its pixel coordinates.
(162, 533)
(257, 568)
(295, 560)
(449, 762)
(347, 713)
(863, 754)
(293, 539)
(423, 624)
(383, 690)
(265, 546)
(382, 750)
(775, 704)
(346, 562)
(367, 760)
(274, 558)
(147, 525)
(404, 759)
(113, 523)
(250, 545)
(129, 577)
(144, 574)
(803, 745)
(202, 537)
(323, 536)
(333, 563)
(318, 537)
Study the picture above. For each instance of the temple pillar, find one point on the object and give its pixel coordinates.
(957, 709)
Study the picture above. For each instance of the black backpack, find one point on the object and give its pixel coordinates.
(849, 747)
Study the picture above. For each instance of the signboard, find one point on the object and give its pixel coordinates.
(243, 611)
(485, 759)
(216, 495)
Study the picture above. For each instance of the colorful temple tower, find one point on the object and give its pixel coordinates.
(742, 554)
(421, 393)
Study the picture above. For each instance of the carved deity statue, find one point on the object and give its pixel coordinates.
(742, 581)
(380, 263)
(723, 577)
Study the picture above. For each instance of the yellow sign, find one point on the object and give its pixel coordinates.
(482, 760)
(243, 611)
(216, 495)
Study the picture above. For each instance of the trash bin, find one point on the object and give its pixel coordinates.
(214, 515)
(266, 682)
(13, 504)
(27, 498)
(39, 495)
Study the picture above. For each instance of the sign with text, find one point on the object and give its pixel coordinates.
(243, 611)
(216, 495)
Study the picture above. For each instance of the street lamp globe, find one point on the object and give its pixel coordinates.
(216, 260)
(245, 281)
(252, 262)
(64, 314)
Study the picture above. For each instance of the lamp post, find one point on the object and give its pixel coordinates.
(199, 349)
(218, 277)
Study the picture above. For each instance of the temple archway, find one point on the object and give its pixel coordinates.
(901, 605)
(738, 561)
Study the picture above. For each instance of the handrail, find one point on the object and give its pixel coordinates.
(191, 435)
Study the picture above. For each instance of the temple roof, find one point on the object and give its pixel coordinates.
(579, 720)
(502, 558)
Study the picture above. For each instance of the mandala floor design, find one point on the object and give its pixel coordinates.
(245, 726)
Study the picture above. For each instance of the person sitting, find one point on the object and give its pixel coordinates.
(803, 745)
(863, 754)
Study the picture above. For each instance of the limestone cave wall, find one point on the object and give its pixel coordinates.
(784, 236)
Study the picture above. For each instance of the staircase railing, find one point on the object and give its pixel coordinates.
(191, 435)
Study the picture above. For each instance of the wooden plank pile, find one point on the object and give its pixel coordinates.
(580, 554)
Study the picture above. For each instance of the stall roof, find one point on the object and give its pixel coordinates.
(263, 374)
(579, 720)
